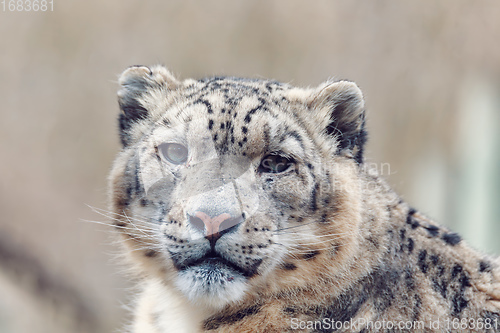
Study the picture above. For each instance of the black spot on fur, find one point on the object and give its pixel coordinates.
(422, 261)
(288, 266)
(440, 286)
(411, 245)
(310, 255)
(410, 214)
(137, 182)
(451, 238)
(210, 124)
(464, 281)
(457, 269)
(484, 266)
(151, 253)
(432, 230)
(314, 197)
(410, 220)
(215, 322)
(410, 280)
(402, 234)
(120, 224)
(459, 303)
(244, 129)
(207, 104)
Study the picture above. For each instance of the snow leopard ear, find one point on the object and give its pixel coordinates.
(341, 108)
(139, 86)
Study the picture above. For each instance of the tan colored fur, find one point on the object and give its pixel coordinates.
(324, 238)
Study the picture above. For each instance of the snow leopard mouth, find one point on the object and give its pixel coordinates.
(212, 262)
(213, 281)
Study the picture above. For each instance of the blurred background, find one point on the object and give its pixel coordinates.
(430, 72)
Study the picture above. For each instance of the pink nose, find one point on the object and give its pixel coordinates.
(212, 225)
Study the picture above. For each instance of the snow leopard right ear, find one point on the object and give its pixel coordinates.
(139, 87)
(340, 113)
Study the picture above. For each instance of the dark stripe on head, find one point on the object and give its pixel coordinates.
(310, 255)
(411, 212)
(451, 238)
(206, 103)
(296, 136)
(484, 266)
(314, 197)
(432, 230)
(410, 219)
(249, 114)
(288, 266)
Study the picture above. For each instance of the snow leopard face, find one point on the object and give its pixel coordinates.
(222, 182)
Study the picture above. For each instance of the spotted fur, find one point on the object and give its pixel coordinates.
(246, 207)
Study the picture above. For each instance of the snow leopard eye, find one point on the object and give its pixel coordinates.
(274, 163)
(173, 152)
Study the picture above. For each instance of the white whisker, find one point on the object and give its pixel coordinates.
(112, 216)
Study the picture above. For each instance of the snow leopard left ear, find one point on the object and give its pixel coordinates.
(138, 96)
(340, 107)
